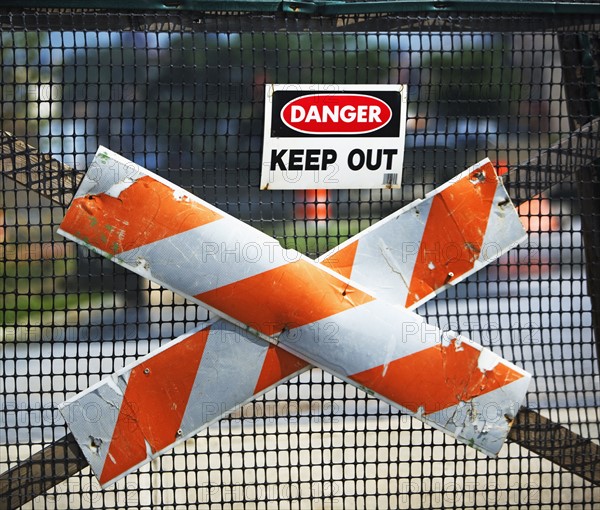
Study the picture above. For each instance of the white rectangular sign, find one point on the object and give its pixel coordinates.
(333, 136)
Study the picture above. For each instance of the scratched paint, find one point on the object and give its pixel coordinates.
(380, 343)
(434, 243)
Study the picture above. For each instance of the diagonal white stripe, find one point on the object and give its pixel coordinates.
(192, 262)
(224, 381)
(385, 257)
(504, 229)
(361, 338)
(92, 416)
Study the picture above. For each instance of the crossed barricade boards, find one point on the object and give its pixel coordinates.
(57, 182)
(348, 314)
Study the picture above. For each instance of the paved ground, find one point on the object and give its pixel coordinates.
(361, 456)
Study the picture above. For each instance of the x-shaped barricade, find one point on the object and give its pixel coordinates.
(348, 313)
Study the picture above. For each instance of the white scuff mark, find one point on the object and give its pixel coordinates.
(116, 189)
(112, 382)
(107, 401)
(112, 459)
(385, 369)
(148, 448)
(458, 341)
(180, 195)
(487, 360)
(390, 259)
(448, 337)
(390, 356)
(431, 266)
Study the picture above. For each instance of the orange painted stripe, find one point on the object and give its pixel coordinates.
(278, 364)
(286, 297)
(154, 404)
(436, 378)
(342, 260)
(143, 213)
(454, 232)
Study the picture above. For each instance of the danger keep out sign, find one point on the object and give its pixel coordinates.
(333, 136)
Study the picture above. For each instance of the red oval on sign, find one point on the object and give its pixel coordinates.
(336, 114)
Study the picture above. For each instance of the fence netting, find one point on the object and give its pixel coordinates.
(182, 94)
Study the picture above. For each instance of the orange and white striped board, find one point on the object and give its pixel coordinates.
(433, 243)
(306, 313)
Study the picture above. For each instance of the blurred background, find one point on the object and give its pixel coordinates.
(183, 95)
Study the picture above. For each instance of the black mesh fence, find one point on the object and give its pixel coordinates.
(182, 94)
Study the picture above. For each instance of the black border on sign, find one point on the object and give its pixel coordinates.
(280, 98)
